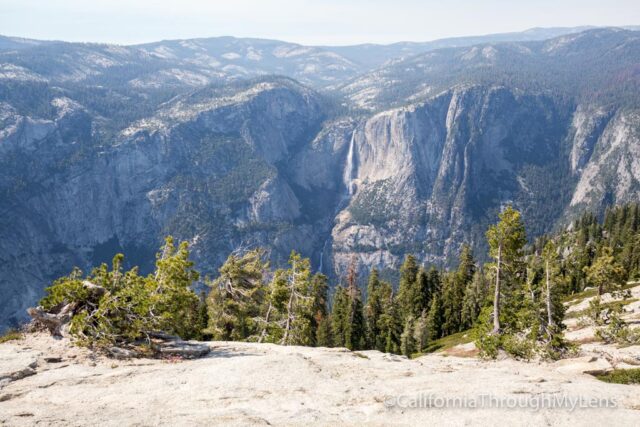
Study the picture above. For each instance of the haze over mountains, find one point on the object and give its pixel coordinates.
(368, 151)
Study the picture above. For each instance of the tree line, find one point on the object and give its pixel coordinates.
(513, 303)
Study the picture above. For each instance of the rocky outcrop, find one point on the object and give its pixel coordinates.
(250, 383)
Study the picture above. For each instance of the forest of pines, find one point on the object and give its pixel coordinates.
(513, 303)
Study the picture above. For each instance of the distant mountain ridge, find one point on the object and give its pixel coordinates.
(197, 62)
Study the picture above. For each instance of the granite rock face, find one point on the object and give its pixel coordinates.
(86, 172)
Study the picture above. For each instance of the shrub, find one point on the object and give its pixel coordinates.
(621, 376)
(11, 335)
(111, 306)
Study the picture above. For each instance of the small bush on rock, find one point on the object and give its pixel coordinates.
(110, 306)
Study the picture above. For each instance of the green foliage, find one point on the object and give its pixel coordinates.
(300, 301)
(324, 338)
(605, 274)
(389, 323)
(611, 328)
(11, 335)
(431, 306)
(319, 310)
(488, 343)
(407, 339)
(236, 296)
(434, 319)
(518, 346)
(112, 306)
(621, 376)
(382, 316)
(475, 297)
(340, 317)
(410, 296)
(373, 308)
(348, 321)
(506, 245)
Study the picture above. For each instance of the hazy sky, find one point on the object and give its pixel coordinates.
(303, 21)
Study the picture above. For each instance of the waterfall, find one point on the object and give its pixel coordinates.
(349, 167)
(324, 247)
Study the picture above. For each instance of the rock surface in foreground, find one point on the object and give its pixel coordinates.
(260, 384)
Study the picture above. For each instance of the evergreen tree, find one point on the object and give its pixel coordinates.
(175, 274)
(410, 296)
(202, 318)
(552, 283)
(475, 297)
(435, 319)
(373, 308)
(340, 313)
(298, 312)
(506, 242)
(421, 332)
(355, 334)
(389, 323)
(606, 275)
(407, 340)
(324, 337)
(113, 307)
(236, 297)
(319, 293)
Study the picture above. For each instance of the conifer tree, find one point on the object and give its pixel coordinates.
(410, 296)
(475, 297)
(407, 340)
(298, 313)
(112, 307)
(434, 319)
(373, 308)
(551, 267)
(389, 323)
(319, 290)
(324, 337)
(421, 333)
(236, 297)
(355, 334)
(340, 313)
(506, 242)
(606, 275)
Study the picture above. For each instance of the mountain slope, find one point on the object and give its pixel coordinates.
(417, 157)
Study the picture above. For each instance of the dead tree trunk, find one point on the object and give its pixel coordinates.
(496, 299)
(549, 314)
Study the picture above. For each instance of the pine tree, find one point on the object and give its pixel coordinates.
(355, 334)
(475, 297)
(434, 319)
(389, 323)
(298, 313)
(410, 296)
(421, 333)
(386, 324)
(175, 274)
(113, 307)
(319, 291)
(506, 241)
(324, 336)
(373, 308)
(407, 340)
(551, 267)
(340, 316)
(202, 318)
(606, 275)
(236, 297)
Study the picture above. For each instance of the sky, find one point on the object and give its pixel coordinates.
(314, 22)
